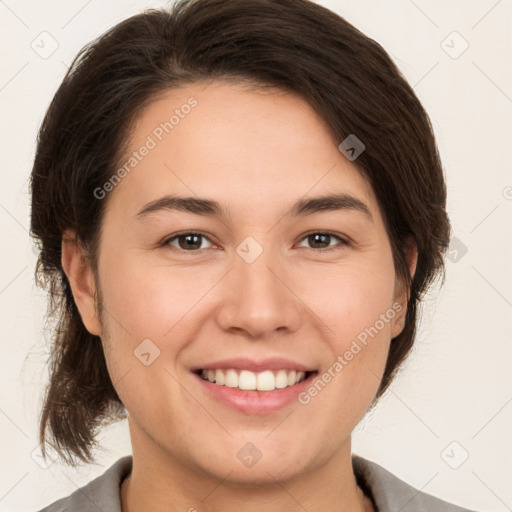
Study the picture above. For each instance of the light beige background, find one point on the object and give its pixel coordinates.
(457, 384)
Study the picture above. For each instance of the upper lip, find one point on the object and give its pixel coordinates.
(243, 363)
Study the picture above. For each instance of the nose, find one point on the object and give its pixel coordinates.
(258, 297)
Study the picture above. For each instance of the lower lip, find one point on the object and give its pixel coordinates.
(256, 402)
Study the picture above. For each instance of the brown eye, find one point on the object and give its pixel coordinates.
(321, 240)
(190, 242)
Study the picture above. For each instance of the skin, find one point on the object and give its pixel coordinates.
(256, 154)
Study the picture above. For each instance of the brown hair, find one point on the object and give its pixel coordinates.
(295, 45)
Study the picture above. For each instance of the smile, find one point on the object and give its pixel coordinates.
(267, 380)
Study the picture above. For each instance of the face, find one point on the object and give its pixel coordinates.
(265, 279)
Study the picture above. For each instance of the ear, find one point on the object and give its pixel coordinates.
(401, 292)
(77, 268)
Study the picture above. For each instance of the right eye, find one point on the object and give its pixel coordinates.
(189, 241)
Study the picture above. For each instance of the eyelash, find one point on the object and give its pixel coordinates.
(342, 241)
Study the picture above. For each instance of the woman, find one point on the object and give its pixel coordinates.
(241, 204)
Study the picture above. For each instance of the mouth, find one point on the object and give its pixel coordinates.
(246, 380)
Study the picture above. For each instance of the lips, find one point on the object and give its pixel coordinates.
(253, 401)
(271, 374)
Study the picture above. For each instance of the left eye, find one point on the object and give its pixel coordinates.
(187, 241)
(323, 238)
(192, 242)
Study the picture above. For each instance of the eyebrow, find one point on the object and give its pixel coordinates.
(208, 207)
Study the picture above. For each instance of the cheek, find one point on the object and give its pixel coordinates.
(355, 305)
(359, 316)
(352, 297)
(150, 299)
(150, 302)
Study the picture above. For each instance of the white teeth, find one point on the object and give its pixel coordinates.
(219, 377)
(231, 379)
(267, 380)
(247, 380)
(281, 379)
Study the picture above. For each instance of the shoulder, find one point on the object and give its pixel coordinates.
(390, 493)
(102, 493)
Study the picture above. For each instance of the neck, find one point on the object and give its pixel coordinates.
(163, 481)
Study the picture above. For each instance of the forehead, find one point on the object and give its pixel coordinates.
(237, 144)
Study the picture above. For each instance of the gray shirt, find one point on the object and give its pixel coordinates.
(389, 493)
